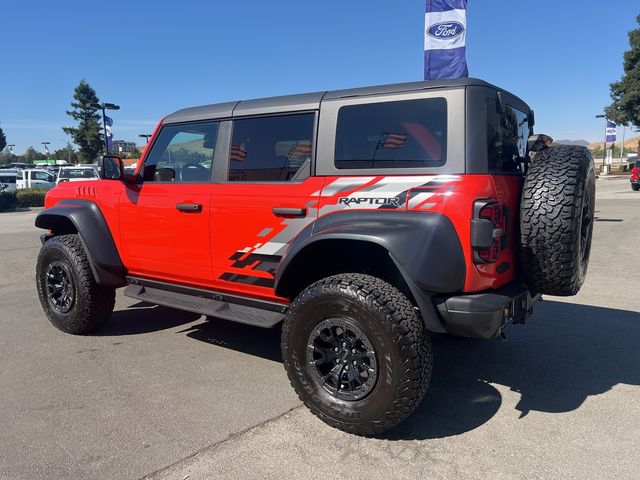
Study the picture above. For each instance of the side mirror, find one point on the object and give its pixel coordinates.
(110, 168)
(538, 142)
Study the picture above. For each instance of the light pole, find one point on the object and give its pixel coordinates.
(106, 106)
(604, 145)
(624, 130)
(46, 149)
(146, 136)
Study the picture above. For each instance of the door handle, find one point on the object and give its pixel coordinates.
(289, 212)
(189, 207)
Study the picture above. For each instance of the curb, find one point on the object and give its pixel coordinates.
(22, 210)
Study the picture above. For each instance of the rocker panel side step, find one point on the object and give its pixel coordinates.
(200, 301)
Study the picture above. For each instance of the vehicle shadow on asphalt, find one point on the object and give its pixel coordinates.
(256, 341)
(143, 317)
(566, 353)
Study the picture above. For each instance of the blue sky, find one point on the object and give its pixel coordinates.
(153, 58)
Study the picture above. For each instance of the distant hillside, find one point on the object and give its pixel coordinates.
(581, 143)
(629, 143)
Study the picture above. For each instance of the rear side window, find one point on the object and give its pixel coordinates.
(270, 149)
(401, 134)
(507, 137)
(8, 178)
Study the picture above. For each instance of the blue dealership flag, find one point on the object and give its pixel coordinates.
(108, 122)
(445, 39)
(611, 131)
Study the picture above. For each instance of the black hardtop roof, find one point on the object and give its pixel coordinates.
(309, 101)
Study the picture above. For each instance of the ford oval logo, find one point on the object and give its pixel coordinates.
(445, 30)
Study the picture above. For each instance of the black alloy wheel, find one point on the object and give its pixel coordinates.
(343, 359)
(60, 287)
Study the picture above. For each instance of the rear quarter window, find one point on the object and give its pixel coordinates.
(400, 134)
(507, 136)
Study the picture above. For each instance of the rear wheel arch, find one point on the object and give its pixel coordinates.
(323, 258)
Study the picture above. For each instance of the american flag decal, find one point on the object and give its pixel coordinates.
(301, 149)
(238, 153)
(391, 140)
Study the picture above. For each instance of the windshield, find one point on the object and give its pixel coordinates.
(78, 173)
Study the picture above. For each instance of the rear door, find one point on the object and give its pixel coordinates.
(165, 221)
(266, 196)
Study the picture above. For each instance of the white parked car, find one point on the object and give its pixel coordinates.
(8, 179)
(35, 178)
(77, 173)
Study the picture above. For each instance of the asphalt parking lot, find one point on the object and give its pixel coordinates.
(164, 394)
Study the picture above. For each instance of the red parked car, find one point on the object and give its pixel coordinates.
(635, 177)
(362, 220)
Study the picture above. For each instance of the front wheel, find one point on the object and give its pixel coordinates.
(356, 352)
(635, 187)
(68, 291)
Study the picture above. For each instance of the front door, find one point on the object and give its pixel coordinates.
(165, 221)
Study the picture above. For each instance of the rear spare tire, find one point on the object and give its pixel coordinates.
(556, 220)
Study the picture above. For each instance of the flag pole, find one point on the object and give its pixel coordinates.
(624, 127)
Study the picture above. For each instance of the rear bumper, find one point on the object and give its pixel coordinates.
(487, 314)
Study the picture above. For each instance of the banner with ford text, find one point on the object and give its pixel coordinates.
(611, 131)
(108, 123)
(445, 39)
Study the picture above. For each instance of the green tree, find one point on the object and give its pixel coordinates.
(32, 154)
(67, 153)
(87, 134)
(3, 140)
(625, 93)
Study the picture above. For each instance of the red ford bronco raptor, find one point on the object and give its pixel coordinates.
(361, 219)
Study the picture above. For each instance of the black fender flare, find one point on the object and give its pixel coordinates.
(94, 232)
(424, 247)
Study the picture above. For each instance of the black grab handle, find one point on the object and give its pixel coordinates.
(289, 212)
(189, 207)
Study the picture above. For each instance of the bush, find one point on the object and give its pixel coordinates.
(30, 197)
(7, 200)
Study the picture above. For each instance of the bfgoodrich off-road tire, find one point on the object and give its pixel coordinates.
(68, 292)
(556, 220)
(336, 320)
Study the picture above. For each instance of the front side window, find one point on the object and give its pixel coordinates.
(507, 136)
(400, 134)
(44, 176)
(182, 153)
(270, 149)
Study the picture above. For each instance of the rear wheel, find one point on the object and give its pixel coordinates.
(556, 220)
(68, 292)
(635, 187)
(357, 353)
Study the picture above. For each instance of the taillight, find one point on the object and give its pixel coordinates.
(488, 230)
(635, 173)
